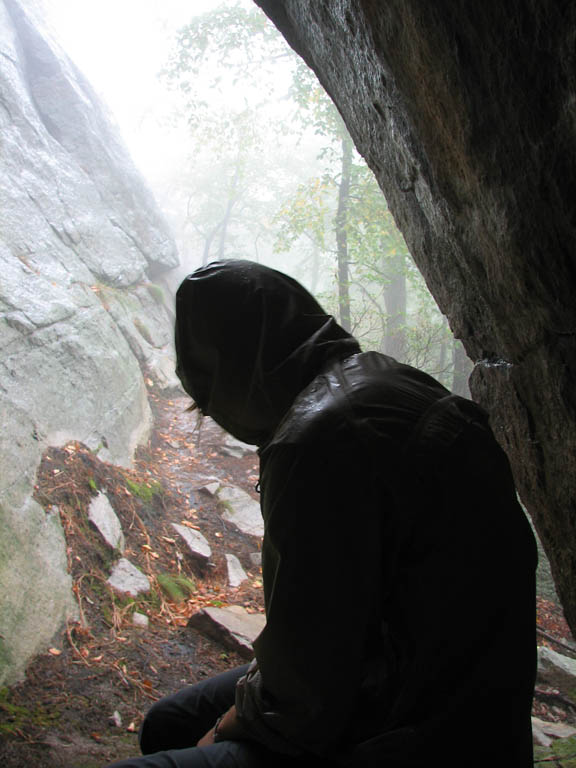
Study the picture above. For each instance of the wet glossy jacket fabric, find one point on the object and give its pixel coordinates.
(398, 567)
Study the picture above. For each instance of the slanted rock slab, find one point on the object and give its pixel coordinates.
(127, 579)
(545, 732)
(103, 517)
(548, 658)
(236, 448)
(210, 485)
(232, 626)
(197, 545)
(236, 574)
(241, 509)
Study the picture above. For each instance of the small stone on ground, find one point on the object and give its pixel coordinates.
(236, 574)
(242, 510)
(198, 547)
(128, 579)
(232, 626)
(102, 516)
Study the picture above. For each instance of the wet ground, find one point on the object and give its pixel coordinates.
(82, 701)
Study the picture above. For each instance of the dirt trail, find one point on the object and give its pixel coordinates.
(82, 702)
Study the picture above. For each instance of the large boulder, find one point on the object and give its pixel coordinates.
(82, 321)
(465, 113)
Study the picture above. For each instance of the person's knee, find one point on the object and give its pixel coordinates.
(156, 728)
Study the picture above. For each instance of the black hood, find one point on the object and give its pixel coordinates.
(248, 340)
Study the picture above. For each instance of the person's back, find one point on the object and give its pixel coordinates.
(398, 567)
(423, 566)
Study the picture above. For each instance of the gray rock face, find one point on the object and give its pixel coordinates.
(473, 142)
(82, 241)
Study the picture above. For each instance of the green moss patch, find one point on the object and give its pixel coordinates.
(176, 587)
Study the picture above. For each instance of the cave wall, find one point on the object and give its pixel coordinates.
(82, 321)
(466, 113)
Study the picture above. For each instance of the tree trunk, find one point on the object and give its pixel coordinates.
(342, 235)
(462, 369)
(208, 243)
(230, 203)
(394, 337)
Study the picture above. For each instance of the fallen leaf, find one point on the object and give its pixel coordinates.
(188, 524)
(54, 651)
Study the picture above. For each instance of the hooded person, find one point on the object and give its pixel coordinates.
(398, 566)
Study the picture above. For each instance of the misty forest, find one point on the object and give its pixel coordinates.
(131, 528)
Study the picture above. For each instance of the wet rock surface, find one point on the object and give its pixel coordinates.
(81, 314)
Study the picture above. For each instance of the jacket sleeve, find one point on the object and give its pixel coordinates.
(322, 569)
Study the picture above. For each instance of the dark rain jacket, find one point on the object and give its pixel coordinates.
(398, 567)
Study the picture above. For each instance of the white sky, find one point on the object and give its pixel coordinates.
(120, 46)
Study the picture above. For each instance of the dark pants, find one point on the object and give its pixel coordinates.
(174, 725)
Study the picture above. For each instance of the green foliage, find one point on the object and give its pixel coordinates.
(92, 483)
(177, 587)
(229, 39)
(144, 491)
(389, 305)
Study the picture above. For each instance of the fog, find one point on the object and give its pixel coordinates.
(245, 157)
